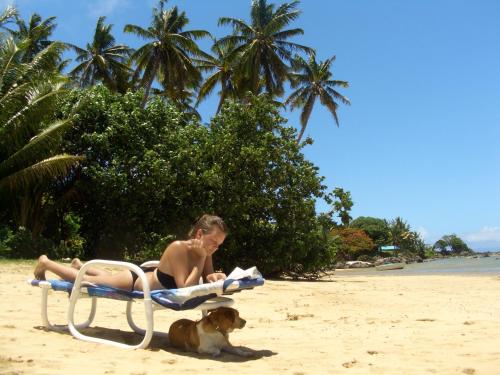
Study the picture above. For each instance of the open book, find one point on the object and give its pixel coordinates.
(238, 273)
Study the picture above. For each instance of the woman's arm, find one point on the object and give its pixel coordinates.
(175, 261)
(208, 271)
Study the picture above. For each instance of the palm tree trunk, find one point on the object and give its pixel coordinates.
(149, 84)
(302, 130)
(146, 93)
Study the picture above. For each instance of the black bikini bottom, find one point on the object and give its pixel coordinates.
(167, 281)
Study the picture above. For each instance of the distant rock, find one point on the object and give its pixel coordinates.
(358, 264)
(380, 261)
(340, 265)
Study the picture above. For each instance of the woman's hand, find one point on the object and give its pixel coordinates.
(213, 277)
(197, 246)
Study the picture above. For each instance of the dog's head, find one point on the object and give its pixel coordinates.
(226, 319)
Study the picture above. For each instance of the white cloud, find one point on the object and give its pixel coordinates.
(99, 8)
(424, 233)
(485, 234)
(486, 239)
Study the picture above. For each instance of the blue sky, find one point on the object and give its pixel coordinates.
(420, 139)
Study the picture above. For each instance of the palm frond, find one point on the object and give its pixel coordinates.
(41, 172)
(329, 103)
(196, 34)
(36, 148)
(139, 31)
(338, 96)
(207, 87)
(237, 24)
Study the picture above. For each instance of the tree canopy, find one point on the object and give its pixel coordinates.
(451, 244)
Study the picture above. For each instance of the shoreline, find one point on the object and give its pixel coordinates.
(465, 266)
(346, 325)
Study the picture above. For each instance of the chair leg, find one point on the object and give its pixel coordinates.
(130, 320)
(45, 315)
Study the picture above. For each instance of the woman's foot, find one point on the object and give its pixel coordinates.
(76, 263)
(40, 268)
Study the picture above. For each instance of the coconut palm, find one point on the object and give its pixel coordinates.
(34, 35)
(183, 101)
(313, 81)
(29, 136)
(102, 60)
(261, 48)
(167, 56)
(9, 15)
(223, 73)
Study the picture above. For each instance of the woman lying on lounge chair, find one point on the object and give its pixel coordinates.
(182, 263)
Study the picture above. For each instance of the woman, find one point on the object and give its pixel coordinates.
(182, 263)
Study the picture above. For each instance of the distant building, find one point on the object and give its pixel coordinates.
(388, 248)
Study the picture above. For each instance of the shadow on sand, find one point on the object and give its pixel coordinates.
(159, 342)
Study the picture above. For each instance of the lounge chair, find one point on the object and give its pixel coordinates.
(202, 297)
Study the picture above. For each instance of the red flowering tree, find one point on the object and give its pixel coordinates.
(352, 242)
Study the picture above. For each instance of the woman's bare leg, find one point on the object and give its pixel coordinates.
(122, 280)
(77, 264)
(45, 264)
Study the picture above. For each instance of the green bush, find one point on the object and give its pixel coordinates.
(148, 174)
(5, 235)
(23, 244)
(152, 250)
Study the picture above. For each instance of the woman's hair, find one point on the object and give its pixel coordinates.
(207, 223)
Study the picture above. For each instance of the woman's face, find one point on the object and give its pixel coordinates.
(212, 240)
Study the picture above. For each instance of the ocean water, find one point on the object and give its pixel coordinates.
(465, 266)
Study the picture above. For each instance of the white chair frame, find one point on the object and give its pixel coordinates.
(150, 306)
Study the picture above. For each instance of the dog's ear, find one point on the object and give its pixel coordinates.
(230, 315)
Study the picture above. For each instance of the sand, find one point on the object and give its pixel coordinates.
(340, 325)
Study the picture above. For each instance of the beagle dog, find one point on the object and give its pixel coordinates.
(209, 335)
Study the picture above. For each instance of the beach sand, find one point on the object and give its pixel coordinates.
(342, 324)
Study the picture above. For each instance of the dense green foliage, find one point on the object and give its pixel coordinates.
(267, 190)
(451, 244)
(352, 243)
(342, 204)
(118, 170)
(29, 133)
(147, 174)
(395, 232)
(376, 228)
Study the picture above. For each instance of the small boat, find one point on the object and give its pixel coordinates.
(390, 266)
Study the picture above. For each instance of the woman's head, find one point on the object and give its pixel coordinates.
(207, 223)
(211, 230)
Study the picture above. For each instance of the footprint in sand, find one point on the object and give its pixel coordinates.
(350, 364)
(169, 361)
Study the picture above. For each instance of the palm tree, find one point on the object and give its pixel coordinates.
(314, 80)
(9, 15)
(223, 72)
(34, 35)
(261, 48)
(400, 231)
(167, 56)
(29, 136)
(102, 60)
